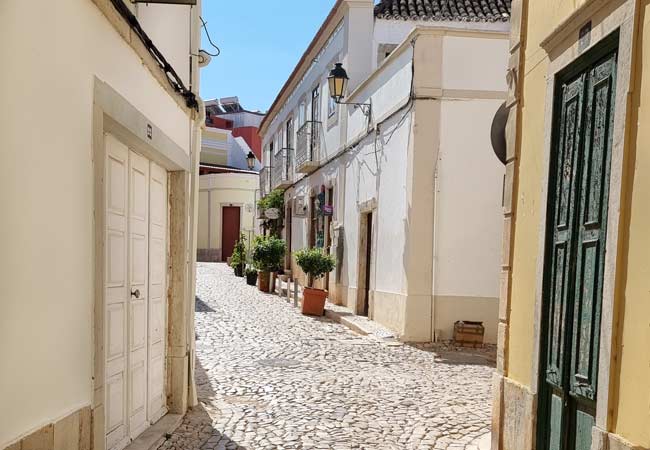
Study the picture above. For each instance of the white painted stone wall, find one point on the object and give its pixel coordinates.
(53, 51)
(462, 70)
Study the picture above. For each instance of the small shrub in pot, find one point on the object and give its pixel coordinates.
(268, 254)
(315, 263)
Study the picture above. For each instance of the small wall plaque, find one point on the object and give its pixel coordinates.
(149, 131)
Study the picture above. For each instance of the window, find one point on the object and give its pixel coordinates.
(288, 137)
(331, 107)
(315, 104)
(302, 113)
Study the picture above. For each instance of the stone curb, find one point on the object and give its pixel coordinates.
(341, 318)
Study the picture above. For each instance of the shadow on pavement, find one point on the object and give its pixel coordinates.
(201, 306)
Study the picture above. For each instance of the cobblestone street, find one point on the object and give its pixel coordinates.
(270, 378)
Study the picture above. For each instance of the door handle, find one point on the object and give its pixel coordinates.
(136, 293)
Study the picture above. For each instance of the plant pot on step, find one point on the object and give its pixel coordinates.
(251, 277)
(264, 281)
(313, 301)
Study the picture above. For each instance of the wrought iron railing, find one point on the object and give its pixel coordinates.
(282, 168)
(309, 145)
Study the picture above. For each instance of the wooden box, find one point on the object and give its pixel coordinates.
(467, 333)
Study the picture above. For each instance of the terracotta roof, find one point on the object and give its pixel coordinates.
(445, 10)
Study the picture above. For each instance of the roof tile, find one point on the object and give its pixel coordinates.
(445, 10)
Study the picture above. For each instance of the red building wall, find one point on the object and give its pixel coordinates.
(252, 138)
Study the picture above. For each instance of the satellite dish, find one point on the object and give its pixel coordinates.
(204, 58)
(498, 133)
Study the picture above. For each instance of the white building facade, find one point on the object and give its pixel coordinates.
(98, 229)
(411, 183)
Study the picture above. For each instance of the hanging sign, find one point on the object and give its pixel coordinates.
(328, 210)
(272, 213)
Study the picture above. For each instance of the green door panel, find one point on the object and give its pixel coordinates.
(556, 431)
(575, 251)
(564, 213)
(592, 228)
(584, 422)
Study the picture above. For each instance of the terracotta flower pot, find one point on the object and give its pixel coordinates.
(265, 281)
(313, 302)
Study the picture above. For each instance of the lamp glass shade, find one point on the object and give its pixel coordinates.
(338, 82)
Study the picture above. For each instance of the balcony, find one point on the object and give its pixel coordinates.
(282, 169)
(265, 182)
(308, 148)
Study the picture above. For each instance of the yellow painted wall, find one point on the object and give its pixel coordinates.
(632, 420)
(219, 190)
(630, 385)
(547, 14)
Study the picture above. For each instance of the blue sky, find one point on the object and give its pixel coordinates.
(261, 42)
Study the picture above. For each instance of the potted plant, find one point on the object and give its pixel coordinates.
(315, 264)
(268, 254)
(238, 258)
(251, 276)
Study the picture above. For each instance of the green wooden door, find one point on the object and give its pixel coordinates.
(575, 252)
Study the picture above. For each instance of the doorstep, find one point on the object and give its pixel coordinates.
(154, 436)
(359, 324)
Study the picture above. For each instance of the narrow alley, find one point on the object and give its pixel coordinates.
(270, 378)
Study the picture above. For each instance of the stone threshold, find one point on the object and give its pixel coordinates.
(154, 436)
(342, 316)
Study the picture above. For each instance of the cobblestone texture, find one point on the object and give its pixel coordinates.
(270, 378)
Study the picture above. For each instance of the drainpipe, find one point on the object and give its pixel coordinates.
(197, 128)
(195, 154)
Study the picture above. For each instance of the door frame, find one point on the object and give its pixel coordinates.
(113, 114)
(604, 48)
(564, 48)
(364, 265)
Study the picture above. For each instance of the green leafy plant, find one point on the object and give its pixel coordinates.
(314, 263)
(238, 258)
(251, 271)
(275, 199)
(268, 253)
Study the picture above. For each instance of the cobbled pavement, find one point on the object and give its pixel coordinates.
(270, 378)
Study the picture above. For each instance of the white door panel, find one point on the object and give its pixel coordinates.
(135, 293)
(157, 290)
(138, 305)
(116, 292)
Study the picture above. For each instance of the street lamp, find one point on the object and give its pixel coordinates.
(250, 160)
(338, 84)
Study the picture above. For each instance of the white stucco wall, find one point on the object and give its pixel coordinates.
(164, 24)
(468, 202)
(469, 221)
(46, 192)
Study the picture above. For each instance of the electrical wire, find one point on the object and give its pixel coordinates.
(172, 76)
(207, 34)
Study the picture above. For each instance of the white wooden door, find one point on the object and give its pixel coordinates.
(138, 304)
(135, 291)
(157, 290)
(116, 292)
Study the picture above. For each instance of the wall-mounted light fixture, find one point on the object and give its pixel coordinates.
(338, 84)
(250, 160)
